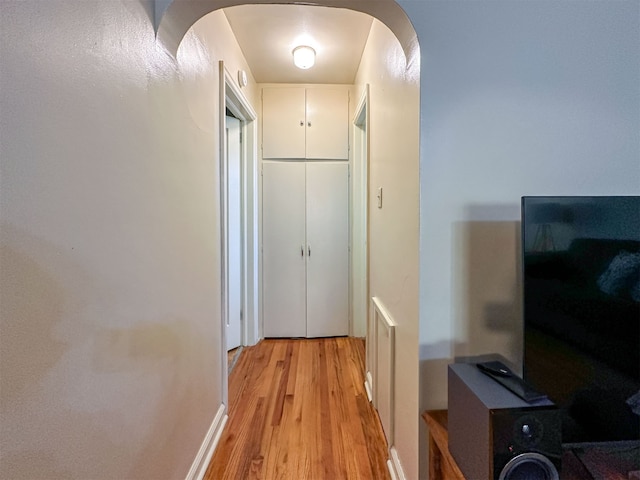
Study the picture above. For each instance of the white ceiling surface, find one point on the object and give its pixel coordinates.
(267, 35)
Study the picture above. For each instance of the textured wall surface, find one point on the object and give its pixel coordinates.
(517, 98)
(109, 274)
(394, 229)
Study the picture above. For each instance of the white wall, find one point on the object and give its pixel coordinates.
(393, 247)
(109, 274)
(518, 98)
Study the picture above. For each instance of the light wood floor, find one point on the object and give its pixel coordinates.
(298, 410)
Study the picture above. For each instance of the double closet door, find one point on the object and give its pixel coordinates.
(305, 225)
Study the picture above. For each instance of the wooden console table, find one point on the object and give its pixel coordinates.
(442, 466)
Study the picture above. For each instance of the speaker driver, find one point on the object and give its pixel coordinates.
(529, 466)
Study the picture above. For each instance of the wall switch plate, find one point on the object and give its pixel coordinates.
(379, 197)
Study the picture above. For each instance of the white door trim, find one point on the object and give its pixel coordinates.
(231, 97)
(360, 218)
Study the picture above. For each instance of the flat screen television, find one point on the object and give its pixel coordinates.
(581, 282)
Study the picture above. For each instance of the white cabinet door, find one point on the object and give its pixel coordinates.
(284, 258)
(305, 123)
(305, 249)
(327, 249)
(327, 115)
(283, 122)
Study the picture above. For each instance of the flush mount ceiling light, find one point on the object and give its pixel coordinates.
(304, 57)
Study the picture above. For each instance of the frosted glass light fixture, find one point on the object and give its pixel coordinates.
(304, 57)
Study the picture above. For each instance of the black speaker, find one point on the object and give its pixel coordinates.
(494, 434)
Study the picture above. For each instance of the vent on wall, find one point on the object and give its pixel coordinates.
(383, 369)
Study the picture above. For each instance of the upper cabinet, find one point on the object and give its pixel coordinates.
(305, 122)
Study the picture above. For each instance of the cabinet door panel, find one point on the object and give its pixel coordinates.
(284, 270)
(327, 249)
(327, 123)
(283, 122)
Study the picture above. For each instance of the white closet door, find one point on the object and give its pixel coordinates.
(283, 230)
(327, 249)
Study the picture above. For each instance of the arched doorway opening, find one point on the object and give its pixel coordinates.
(174, 18)
(394, 224)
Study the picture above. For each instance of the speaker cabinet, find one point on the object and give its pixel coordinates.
(493, 434)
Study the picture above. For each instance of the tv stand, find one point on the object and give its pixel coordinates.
(442, 466)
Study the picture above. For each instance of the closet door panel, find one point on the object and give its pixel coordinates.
(283, 122)
(327, 123)
(327, 249)
(284, 270)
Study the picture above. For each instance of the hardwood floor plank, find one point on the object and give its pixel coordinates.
(282, 387)
(325, 410)
(372, 429)
(298, 410)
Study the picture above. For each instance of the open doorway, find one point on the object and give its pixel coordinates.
(238, 209)
(234, 231)
(394, 226)
(360, 232)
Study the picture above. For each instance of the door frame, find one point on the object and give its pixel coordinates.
(360, 303)
(231, 97)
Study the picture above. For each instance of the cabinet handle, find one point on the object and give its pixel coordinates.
(309, 250)
(301, 123)
(302, 250)
(309, 124)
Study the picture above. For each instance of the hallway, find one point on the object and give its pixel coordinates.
(298, 410)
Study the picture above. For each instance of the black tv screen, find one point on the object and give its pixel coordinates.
(581, 281)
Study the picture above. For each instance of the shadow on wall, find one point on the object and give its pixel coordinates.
(486, 302)
(150, 9)
(486, 297)
(33, 303)
(76, 372)
(487, 284)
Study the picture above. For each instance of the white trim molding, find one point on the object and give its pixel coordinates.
(384, 370)
(368, 386)
(394, 465)
(201, 462)
(232, 98)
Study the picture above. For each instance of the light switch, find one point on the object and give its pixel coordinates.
(379, 197)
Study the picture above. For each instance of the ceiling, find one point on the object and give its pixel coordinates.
(267, 35)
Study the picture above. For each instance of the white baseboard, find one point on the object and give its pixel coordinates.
(201, 462)
(367, 387)
(392, 471)
(394, 466)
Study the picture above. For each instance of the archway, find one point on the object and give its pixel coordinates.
(173, 18)
(396, 107)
